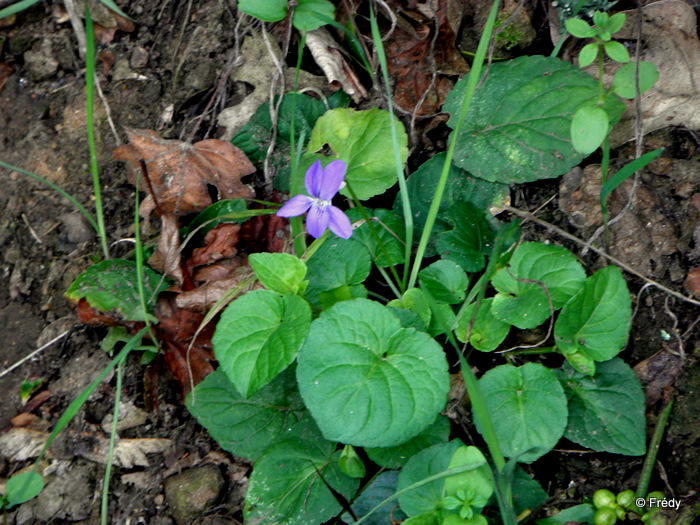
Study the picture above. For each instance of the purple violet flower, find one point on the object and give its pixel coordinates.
(321, 184)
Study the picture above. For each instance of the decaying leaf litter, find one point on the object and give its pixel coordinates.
(45, 129)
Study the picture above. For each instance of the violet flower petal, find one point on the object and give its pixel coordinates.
(339, 223)
(317, 220)
(296, 206)
(313, 179)
(333, 176)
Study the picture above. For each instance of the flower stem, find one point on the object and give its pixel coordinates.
(90, 95)
(406, 204)
(474, 77)
(295, 179)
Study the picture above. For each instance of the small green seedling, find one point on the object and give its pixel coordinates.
(591, 125)
(28, 387)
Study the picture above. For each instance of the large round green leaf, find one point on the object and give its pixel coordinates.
(338, 263)
(518, 125)
(366, 380)
(258, 336)
(528, 409)
(290, 484)
(606, 411)
(595, 322)
(363, 140)
(439, 458)
(246, 427)
(524, 303)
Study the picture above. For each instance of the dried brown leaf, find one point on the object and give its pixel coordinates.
(166, 258)
(657, 373)
(182, 174)
(412, 58)
(326, 53)
(205, 296)
(219, 243)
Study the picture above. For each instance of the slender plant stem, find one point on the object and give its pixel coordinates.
(90, 96)
(104, 508)
(604, 167)
(295, 180)
(398, 164)
(474, 77)
(650, 459)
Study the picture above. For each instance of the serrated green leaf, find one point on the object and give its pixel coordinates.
(258, 336)
(380, 488)
(525, 304)
(488, 331)
(390, 229)
(280, 272)
(289, 484)
(617, 51)
(623, 81)
(111, 286)
(518, 128)
(306, 11)
(589, 128)
(396, 457)
(606, 411)
(22, 487)
(470, 240)
(267, 10)
(595, 322)
(433, 460)
(366, 380)
(246, 427)
(254, 138)
(460, 187)
(588, 54)
(337, 263)
(361, 139)
(445, 281)
(580, 28)
(528, 409)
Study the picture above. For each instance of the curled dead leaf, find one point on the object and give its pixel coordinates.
(166, 258)
(327, 55)
(219, 243)
(205, 296)
(183, 175)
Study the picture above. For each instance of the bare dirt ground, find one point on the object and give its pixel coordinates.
(160, 76)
